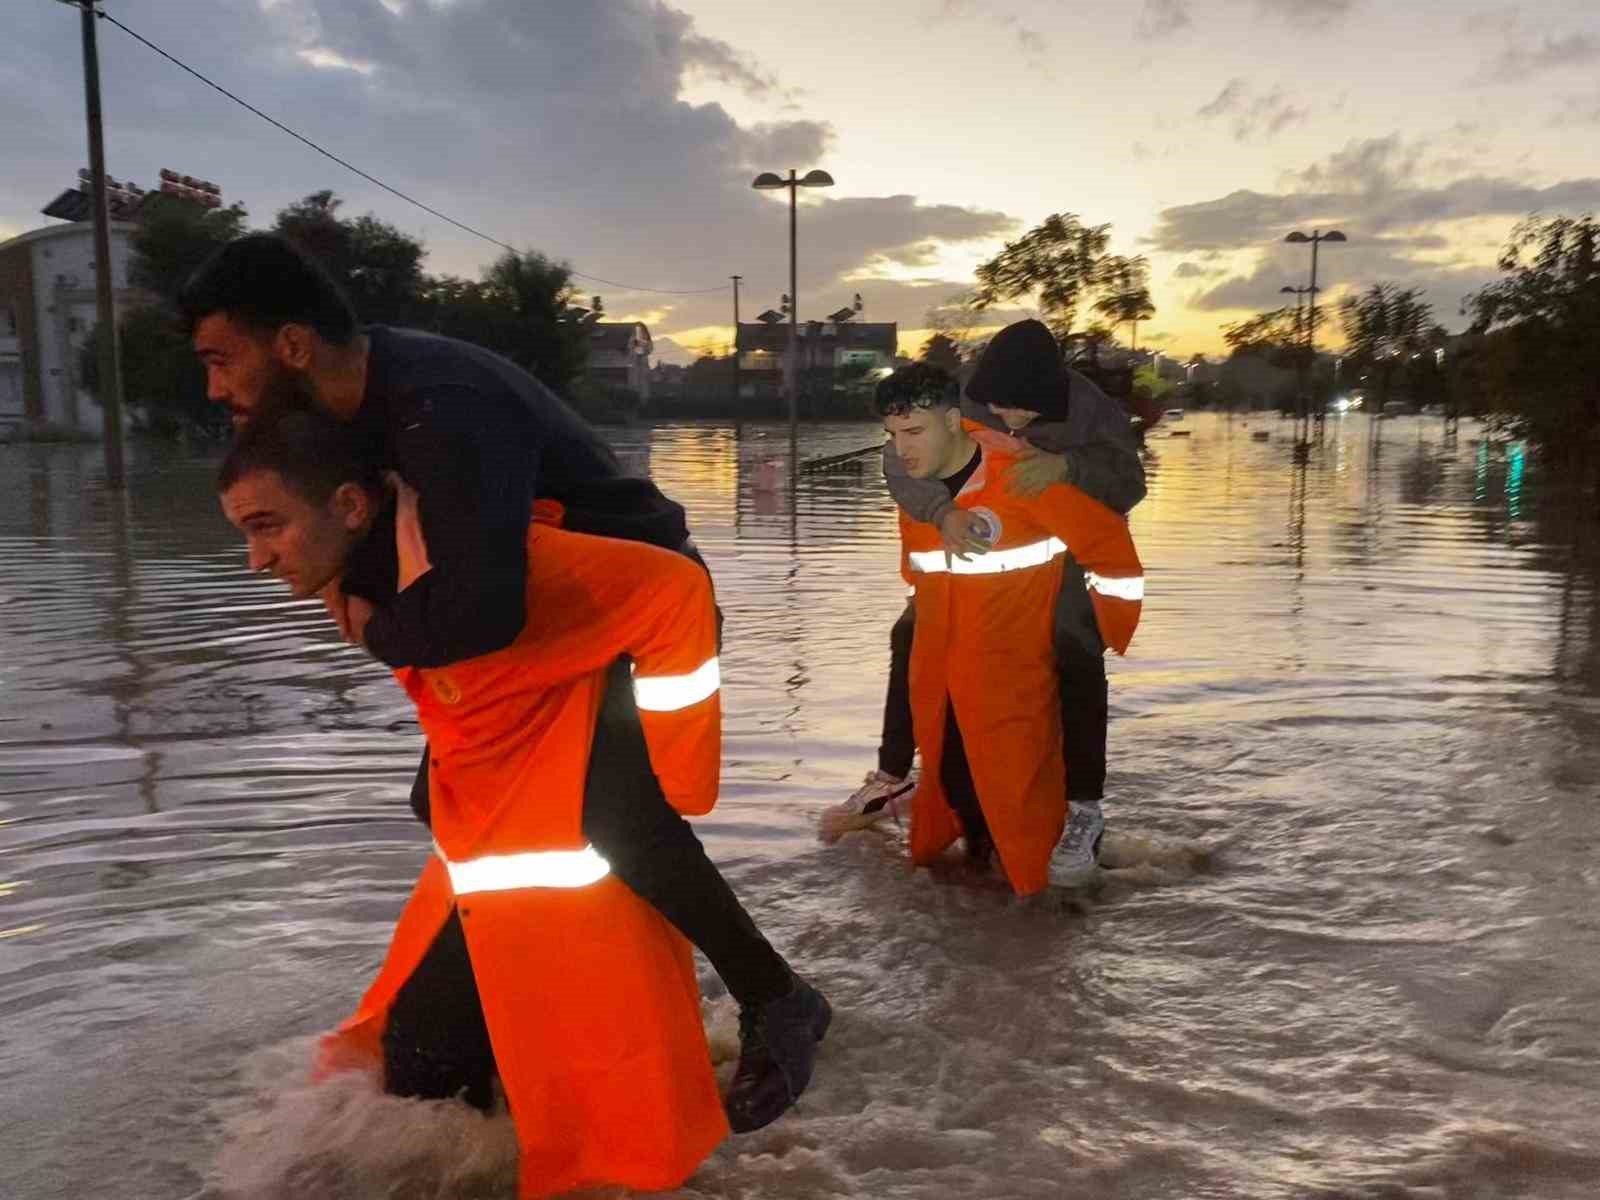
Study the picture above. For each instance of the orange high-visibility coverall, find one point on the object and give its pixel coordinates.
(984, 643)
(589, 995)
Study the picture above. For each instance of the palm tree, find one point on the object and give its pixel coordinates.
(1125, 286)
(1385, 327)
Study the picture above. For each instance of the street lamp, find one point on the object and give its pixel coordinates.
(768, 182)
(1316, 238)
(1299, 295)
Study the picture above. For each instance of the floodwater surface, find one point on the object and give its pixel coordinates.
(1354, 767)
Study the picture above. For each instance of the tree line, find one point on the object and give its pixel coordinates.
(523, 306)
(1528, 361)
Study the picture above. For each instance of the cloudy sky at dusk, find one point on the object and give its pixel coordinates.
(622, 135)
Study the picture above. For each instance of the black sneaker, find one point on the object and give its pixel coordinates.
(777, 1047)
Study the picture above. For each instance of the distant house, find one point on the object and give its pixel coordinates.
(619, 356)
(48, 305)
(47, 314)
(829, 353)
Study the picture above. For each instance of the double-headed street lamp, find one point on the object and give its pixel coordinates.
(766, 182)
(1299, 295)
(1316, 238)
(1303, 401)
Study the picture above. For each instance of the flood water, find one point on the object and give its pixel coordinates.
(1367, 689)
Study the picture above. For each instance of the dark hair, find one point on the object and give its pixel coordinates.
(919, 385)
(263, 281)
(312, 452)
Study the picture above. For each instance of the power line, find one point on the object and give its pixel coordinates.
(350, 166)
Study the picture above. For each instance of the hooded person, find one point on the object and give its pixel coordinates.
(1067, 431)
(520, 955)
(983, 685)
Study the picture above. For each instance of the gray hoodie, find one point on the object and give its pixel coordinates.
(1096, 439)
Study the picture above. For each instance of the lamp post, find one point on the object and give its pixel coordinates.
(736, 279)
(766, 182)
(1299, 294)
(1316, 238)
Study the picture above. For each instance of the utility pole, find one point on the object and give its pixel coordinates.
(106, 321)
(736, 279)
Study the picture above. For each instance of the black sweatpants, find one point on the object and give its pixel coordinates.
(653, 850)
(1081, 679)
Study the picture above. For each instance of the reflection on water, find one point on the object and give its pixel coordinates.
(1373, 682)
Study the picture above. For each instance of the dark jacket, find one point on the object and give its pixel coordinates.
(480, 439)
(1102, 455)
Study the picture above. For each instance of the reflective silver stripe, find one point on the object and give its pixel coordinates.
(1130, 588)
(1014, 558)
(668, 693)
(531, 869)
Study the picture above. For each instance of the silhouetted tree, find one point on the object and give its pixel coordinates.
(522, 308)
(1275, 336)
(174, 237)
(1386, 329)
(1538, 331)
(379, 267)
(1125, 283)
(1060, 262)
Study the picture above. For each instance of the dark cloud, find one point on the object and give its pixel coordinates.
(722, 62)
(1346, 268)
(1378, 193)
(1308, 12)
(1163, 18)
(1193, 270)
(1519, 63)
(1265, 115)
(560, 127)
(1369, 186)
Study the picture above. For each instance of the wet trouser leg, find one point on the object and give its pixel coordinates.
(955, 773)
(656, 853)
(1081, 678)
(436, 1043)
(899, 744)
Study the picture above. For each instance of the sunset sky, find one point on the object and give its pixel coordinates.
(622, 136)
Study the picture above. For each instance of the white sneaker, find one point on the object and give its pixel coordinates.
(879, 796)
(1079, 853)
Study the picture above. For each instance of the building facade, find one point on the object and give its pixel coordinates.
(619, 356)
(830, 355)
(48, 313)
